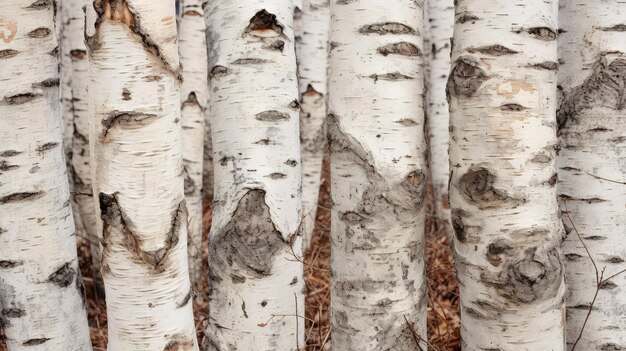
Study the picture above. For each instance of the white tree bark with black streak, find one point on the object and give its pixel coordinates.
(440, 27)
(41, 292)
(65, 91)
(379, 167)
(312, 31)
(76, 66)
(254, 242)
(502, 91)
(138, 174)
(194, 95)
(592, 131)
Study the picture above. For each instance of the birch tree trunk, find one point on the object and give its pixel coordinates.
(378, 160)
(41, 292)
(75, 105)
(138, 174)
(441, 25)
(254, 244)
(502, 91)
(592, 130)
(194, 95)
(312, 52)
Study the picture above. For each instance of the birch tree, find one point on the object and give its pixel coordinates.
(440, 28)
(592, 81)
(312, 30)
(41, 292)
(194, 95)
(136, 155)
(75, 75)
(254, 246)
(502, 91)
(378, 174)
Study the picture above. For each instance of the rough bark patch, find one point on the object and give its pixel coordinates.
(8, 53)
(402, 48)
(541, 33)
(19, 99)
(38, 33)
(219, 71)
(493, 50)
(387, 28)
(249, 242)
(250, 61)
(45, 147)
(477, 186)
(393, 76)
(35, 342)
(125, 120)
(467, 17)
(23, 196)
(63, 276)
(272, 116)
(264, 24)
(40, 4)
(605, 87)
(546, 65)
(116, 230)
(179, 343)
(78, 54)
(465, 79)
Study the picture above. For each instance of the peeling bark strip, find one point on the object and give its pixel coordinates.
(255, 229)
(592, 132)
(135, 92)
(502, 94)
(378, 174)
(40, 308)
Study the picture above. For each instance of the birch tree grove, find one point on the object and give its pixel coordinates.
(502, 91)
(254, 244)
(312, 52)
(441, 25)
(138, 174)
(41, 292)
(378, 174)
(591, 163)
(194, 95)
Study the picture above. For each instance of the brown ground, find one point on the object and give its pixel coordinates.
(443, 311)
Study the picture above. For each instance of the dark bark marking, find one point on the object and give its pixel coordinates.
(608, 285)
(495, 249)
(465, 79)
(47, 146)
(460, 230)
(493, 50)
(243, 309)
(512, 107)
(20, 99)
(272, 116)
(541, 33)
(294, 281)
(402, 48)
(387, 28)
(609, 346)
(9, 153)
(276, 175)
(332, 45)
(126, 95)
(546, 65)
(552, 181)
(224, 160)
(185, 300)
(407, 122)
(35, 342)
(294, 104)
(311, 92)
(264, 24)
(179, 343)
(8, 53)
(5, 166)
(78, 54)
(591, 200)
(237, 279)
(277, 45)
(605, 87)
(13, 312)
(63, 276)
(249, 61)
(393, 76)
(477, 186)
(614, 259)
(541, 157)
(38, 33)
(573, 257)
(24, 196)
(291, 163)
(125, 120)
(248, 244)
(10, 264)
(48, 83)
(467, 17)
(40, 5)
(616, 28)
(116, 225)
(189, 184)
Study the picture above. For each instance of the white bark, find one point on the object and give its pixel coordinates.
(440, 27)
(502, 91)
(312, 31)
(378, 174)
(592, 130)
(254, 240)
(76, 66)
(138, 174)
(64, 34)
(194, 95)
(41, 291)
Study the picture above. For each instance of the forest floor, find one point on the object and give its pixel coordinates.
(443, 310)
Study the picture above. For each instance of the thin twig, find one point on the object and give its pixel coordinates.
(295, 297)
(417, 337)
(608, 180)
